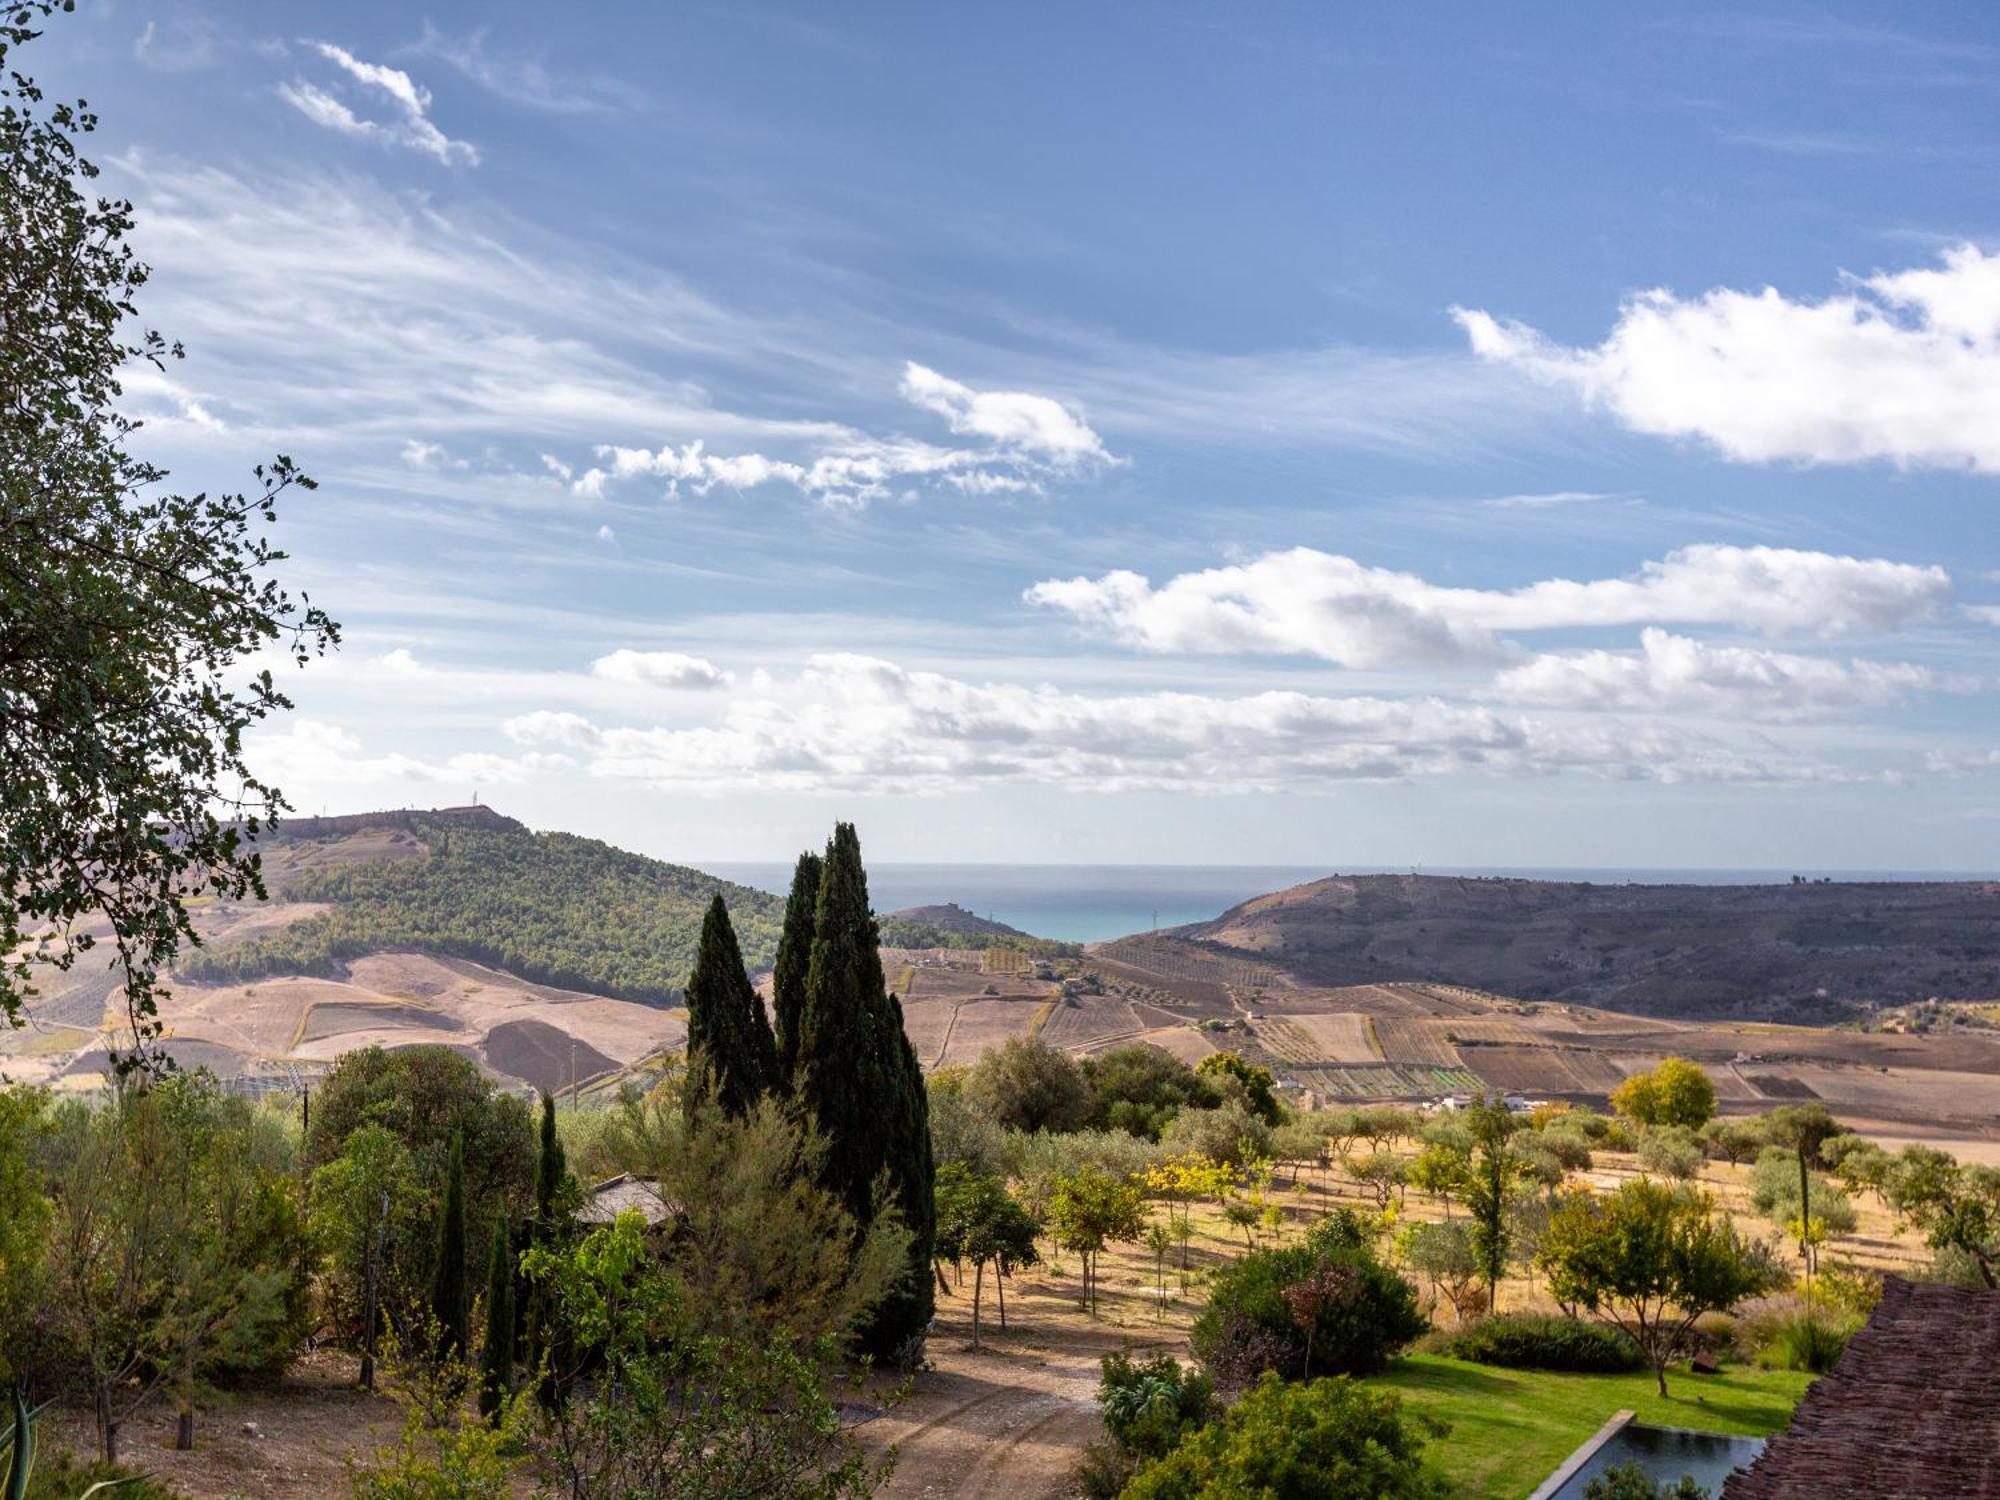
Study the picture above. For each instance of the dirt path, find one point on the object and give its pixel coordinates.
(1008, 1422)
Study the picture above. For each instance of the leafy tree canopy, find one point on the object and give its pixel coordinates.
(1674, 1092)
(129, 617)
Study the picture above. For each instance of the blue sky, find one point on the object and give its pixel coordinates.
(1554, 435)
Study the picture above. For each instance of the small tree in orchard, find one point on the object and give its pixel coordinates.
(980, 1221)
(1956, 1205)
(1492, 1179)
(1089, 1210)
(1651, 1259)
(1444, 1256)
(1675, 1092)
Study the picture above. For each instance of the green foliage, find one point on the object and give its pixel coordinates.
(445, 1452)
(1651, 1259)
(1956, 1205)
(731, 1055)
(1797, 1341)
(1674, 1092)
(754, 1240)
(980, 1221)
(1248, 1327)
(24, 1219)
(1140, 1088)
(178, 1253)
(496, 1349)
(675, 1413)
(1533, 1341)
(1025, 1084)
(550, 907)
(62, 1476)
(1672, 1151)
(862, 1087)
(1150, 1405)
(1253, 1084)
(960, 1130)
(426, 1099)
(450, 1303)
(1733, 1140)
(1328, 1439)
(130, 620)
(1491, 1180)
(1774, 1192)
(1443, 1255)
(1631, 1482)
(904, 932)
(1088, 1210)
(793, 954)
(1229, 1133)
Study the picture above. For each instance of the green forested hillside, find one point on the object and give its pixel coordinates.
(550, 907)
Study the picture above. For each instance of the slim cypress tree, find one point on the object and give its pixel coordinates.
(541, 1341)
(788, 978)
(549, 1169)
(859, 1082)
(732, 1058)
(448, 1293)
(496, 1355)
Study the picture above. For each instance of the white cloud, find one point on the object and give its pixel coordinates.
(1031, 436)
(311, 756)
(1987, 614)
(660, 669)
(859, 724)
(1021, 420)
(1547, 500)
(1310, 603)
(413, 128)
(1901, 366)
(1672, 673)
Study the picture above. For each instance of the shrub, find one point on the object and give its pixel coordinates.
(1529, 1341)
(1631, 1482)
(1330, 1439)
(1149, 1407)
(1671, 1151)
(1230, 1134)
(1792, 1341)
(1357, 1321)
(1139, 1088)
(1025, 1084)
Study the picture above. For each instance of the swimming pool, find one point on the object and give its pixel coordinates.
(1664, 1453)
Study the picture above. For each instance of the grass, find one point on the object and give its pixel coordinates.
(1510, 1428)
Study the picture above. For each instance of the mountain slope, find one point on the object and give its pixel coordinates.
(1806, 952)
(551, 908)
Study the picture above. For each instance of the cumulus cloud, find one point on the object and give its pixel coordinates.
(1671, 673)
(411, 126)
(1039, 425)
(1029, 437)
(1902, 366)
(860, 724)
(1310, 603)
(660, 669)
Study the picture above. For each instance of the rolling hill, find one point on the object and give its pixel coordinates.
(1810, 951)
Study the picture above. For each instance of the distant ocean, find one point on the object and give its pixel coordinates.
(1092, 903)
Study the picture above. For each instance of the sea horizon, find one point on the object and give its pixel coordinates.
(1093, 903)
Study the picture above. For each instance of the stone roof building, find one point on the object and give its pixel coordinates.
(1912, 1409)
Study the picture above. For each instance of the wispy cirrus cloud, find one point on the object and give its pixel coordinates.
(411, 124)
(526, 80)
(1902, 367)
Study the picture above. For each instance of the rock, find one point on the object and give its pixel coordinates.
(252, 1430)
(1703, 1364)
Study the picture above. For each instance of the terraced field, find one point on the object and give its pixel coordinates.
(1420, 1043)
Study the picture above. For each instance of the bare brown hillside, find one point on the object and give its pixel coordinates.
(1804, 952)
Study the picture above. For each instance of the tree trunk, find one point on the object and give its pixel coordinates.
(1000, 1287)
(184, 1430)
(978, 1286)
(107, 1425)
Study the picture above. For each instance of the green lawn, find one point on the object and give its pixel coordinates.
(1510, 1428)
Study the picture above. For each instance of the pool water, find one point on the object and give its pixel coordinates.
(1666, 1453)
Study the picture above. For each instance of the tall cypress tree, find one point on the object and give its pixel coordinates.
(448, 1293)
(496, 1354)
(549, 1170)
(788, 978)
(732, 1058)
(859, 1082)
